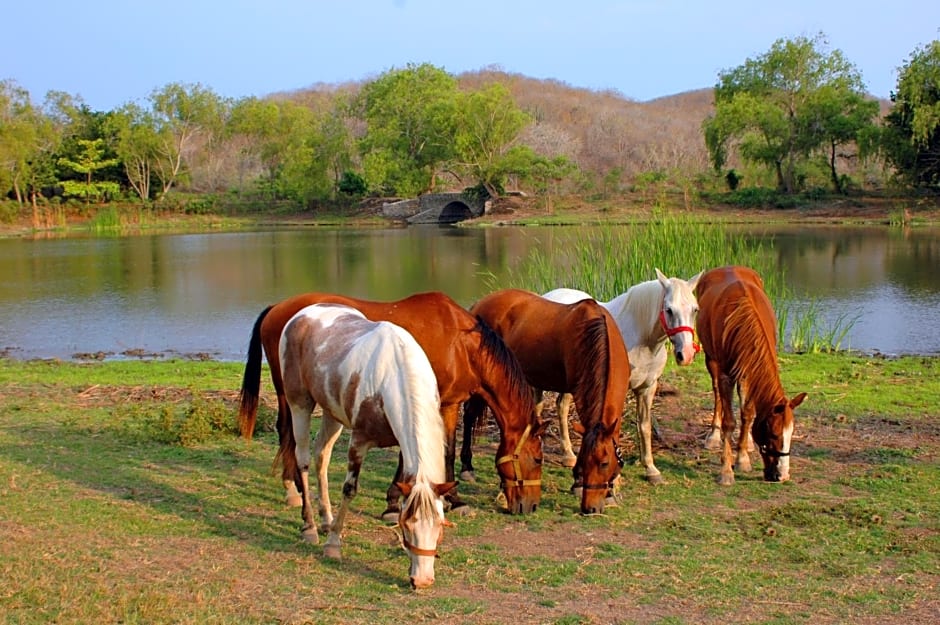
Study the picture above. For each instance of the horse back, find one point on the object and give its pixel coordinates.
(731, 298)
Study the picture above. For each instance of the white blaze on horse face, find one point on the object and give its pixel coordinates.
(426, 533)
(783, 465)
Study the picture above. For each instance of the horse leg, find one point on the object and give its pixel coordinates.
(393, 496)
(472, 413)
(450, 413)
(713, 440)
(644, 426)
(743, 459)
(290, 474)
(329, 431)
(300, 424)
(564, 402)
(357, 451)
(725, 390)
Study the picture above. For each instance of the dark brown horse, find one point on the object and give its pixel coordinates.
(469, 360)
(738, 331)
(569, 348)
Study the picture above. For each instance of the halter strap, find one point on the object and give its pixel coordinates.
(514, 459)
(678, 329)
(418, 551)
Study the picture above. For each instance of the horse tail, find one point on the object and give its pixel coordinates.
(251, 381)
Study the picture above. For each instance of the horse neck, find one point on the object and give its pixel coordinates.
(755, 344)
(637, 314)
(503, 382)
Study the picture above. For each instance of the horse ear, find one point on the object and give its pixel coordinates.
(796, 401)
(540, 428)
(693, 281)
(663, 280)
(443, 489)
(578, 427)
(404, 487)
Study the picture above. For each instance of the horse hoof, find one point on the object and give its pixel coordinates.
(713, 443)
(294, 501)
(390, 516)
(725, 479)
(655, 479)
(569, 461)
(310, 535)
(468, 476)
(332, 551)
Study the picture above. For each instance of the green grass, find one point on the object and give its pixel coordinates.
(108, 515)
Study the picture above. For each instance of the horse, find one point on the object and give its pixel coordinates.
(648, 314)
(373, 378)
(469, 360)
(568, 348)
(737, 327)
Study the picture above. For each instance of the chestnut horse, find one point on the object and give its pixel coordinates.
(738, 330)
(469, 360)
(373, 378)
(648, 314)
(567, 348)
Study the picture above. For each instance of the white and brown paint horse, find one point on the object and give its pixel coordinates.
(648, 314)
(738, 330)
(373, 378)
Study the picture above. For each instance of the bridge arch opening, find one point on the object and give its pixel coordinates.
(454, 212)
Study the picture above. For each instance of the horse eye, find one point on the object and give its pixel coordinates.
(669, 312)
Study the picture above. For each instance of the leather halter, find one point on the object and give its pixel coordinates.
(678, 329)
(516, 468)
(618, 452)
(772, 453)
(418, 551)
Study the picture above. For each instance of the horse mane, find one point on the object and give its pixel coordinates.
(420, 501)
(644, 301)
(755, 355)
(502, 358)
(591, 386)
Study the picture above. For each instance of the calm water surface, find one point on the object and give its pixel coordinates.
(201, 293)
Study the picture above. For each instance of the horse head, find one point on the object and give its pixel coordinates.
(421, 523)
(773, 434)
(519, 463)
(599, 462)
(677, 315)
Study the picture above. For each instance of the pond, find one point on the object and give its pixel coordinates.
(200, 293)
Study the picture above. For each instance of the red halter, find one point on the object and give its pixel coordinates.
(676, 330)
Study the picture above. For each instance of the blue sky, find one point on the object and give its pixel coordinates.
(114, 51)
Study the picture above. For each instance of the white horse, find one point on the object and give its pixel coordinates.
(648, 314)
(373, 378)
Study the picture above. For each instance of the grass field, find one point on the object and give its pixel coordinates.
(126, 497)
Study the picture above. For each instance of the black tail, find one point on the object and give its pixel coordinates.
(251, 381)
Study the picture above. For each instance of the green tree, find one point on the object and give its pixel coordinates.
(781, 107)
(137, 145)
(185, 117)
(410, 128)
(488, 122)
(89, 161)
(910, 140)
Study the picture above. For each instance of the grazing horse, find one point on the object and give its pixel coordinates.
(373, 378)
(567, 348)
(738, 330)
(648, 314)
(469, 360)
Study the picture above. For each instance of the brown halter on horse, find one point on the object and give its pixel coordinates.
(469, 360)
(568, 348)
(737, 327)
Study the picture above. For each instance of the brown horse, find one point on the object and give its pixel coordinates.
(738, 331)
(569, 348)
(468, 359)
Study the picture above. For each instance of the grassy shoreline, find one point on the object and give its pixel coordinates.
(125, 496)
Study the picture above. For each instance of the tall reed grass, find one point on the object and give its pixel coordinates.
(607, 260)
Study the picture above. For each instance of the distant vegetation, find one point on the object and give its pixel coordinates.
(792, 122)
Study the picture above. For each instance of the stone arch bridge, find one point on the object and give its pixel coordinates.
(435, 208)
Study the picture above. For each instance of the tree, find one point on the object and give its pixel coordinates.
(783, 106)
(90, 160)
(488, 122)
(184, 115)
(410, 135)
(910, 140)
(137, 145)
